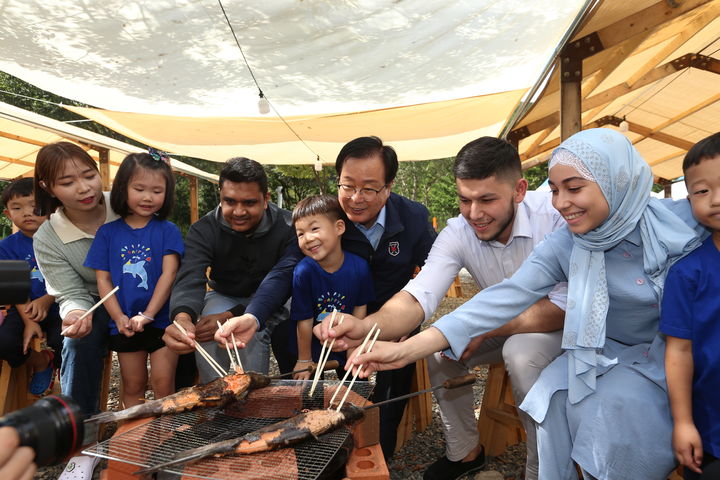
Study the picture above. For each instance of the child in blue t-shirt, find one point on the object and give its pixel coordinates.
(39, 317)
(690, 318)
(140, 253)
(326, 279)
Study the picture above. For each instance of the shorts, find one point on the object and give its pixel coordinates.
(149, 340)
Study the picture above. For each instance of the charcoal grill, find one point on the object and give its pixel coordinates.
(163, 438)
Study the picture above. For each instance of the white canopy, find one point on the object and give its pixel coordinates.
(311, 58)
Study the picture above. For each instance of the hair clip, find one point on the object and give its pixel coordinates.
(159, 155)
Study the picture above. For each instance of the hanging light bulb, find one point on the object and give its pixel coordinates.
(263, 104)
(624, 125)
(318, 164)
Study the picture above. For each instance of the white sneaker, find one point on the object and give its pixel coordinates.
(79, 468)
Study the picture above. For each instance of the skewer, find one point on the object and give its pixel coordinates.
(357, 371)
(237, 354)
(215, 366)
(332, 364)
(233, 365)
(332, 342)
(91, 309)
(322, 355)
(357, 353)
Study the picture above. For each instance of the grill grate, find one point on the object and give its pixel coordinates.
(163, 438)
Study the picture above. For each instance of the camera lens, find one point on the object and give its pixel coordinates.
(52, 427)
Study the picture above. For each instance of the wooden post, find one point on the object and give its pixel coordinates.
(104, 167)
(570, 95)
(193, 199)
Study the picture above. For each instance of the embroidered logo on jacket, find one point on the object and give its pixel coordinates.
(394, 248)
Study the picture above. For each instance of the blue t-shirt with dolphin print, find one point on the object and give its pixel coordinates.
(134, 258)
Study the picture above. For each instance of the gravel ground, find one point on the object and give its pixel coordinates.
(424, 448)
(419, 451)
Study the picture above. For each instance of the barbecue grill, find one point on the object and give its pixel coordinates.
(164, 438)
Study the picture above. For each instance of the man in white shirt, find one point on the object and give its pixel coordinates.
(498, 226)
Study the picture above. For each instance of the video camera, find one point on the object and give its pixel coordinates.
(14, 281)
(53, 426)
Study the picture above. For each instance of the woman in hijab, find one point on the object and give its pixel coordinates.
(602, 403)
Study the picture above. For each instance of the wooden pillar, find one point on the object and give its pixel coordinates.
(667, 186)
(193, 199)
(104, 167)
(570, 95)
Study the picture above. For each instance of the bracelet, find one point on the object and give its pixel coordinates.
(146, 317)
(304, 361)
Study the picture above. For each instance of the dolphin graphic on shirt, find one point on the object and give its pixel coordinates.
(36, 275)
(137, 269)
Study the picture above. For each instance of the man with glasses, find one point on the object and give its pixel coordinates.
(499, 224)
(390, 231)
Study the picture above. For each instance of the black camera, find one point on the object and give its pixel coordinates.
(52, 426)
(14, 281)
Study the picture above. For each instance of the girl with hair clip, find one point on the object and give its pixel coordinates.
(140, 253)
(603, 403)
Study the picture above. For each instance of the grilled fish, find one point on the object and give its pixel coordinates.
(218, 392)
(294, 430)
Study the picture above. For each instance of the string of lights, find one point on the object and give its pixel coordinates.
(264, 104)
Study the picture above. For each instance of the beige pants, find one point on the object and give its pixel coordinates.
(525, 355)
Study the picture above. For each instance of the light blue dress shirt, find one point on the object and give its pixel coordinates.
(374, 233)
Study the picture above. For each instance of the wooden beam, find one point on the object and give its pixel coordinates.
(17, 161)
(659, 136)
(645, 20)
(642, 22)
(104, 166)
(664, 159)
(22, 139)
(194, 214)
(699, 22)
(607, 96)
(536, 161)
(570, 96)
(616, 58)
(600, 100)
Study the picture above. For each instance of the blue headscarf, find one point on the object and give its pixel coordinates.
(625, 180)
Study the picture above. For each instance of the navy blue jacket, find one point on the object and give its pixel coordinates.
(404, 245)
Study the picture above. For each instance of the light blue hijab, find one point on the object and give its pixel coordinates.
(625, 180)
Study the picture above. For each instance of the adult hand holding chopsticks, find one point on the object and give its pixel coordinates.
(392, 355)
(349, 334)
(243, 328)
(176, 340)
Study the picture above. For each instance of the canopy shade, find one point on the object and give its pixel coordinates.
(424, 76)
(23, 133)
(309, 57)
(653, 63)
(417, 132)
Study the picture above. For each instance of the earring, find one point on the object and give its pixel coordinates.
(43, 184)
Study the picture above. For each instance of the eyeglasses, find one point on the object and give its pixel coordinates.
(366, 192)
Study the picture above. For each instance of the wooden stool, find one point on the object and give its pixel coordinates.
(455, 290)
(499, 424)
(418, 410)
(14, 385)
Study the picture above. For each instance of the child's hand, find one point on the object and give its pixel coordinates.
(688, 446)
(37, 309)
(124, 326)
(302, 375)
(31, 330)
(138, 323)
